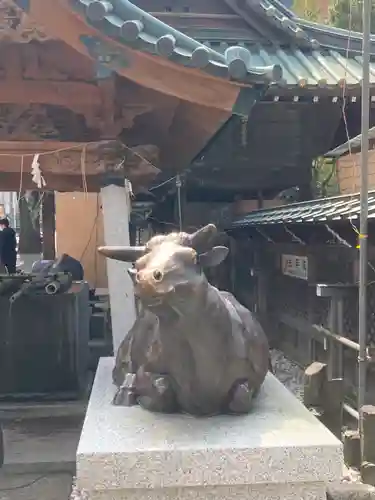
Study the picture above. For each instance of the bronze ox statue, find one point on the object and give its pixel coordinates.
(193, 349)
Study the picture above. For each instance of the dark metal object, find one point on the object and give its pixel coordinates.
(44, 345)
(193, 349)
(64, 264)
(29, 284)
(48, 277)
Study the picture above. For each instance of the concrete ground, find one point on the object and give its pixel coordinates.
(30, 487)
(41, 444)
(39, 454)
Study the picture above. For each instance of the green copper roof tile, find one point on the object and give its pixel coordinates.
(325, 209)
(305, 68)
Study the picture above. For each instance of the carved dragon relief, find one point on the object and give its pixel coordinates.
(16, 26)
(38, 121)
(111, 158)
(136, 164)
(35, 122)
(22, 123)
(105, 115)
(101, 160)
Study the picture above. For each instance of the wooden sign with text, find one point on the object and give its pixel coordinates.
(296, 266)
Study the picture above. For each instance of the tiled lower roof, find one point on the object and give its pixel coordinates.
(337, 208)
(354, 145)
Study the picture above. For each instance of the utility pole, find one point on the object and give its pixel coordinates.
(363, 259)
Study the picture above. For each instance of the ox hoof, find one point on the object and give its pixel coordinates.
(156, 393)
(242, 399)
(125, 395)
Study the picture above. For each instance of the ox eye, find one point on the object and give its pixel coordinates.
(157, 275)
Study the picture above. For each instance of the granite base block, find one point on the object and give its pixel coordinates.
(280, 450)
(305, 491)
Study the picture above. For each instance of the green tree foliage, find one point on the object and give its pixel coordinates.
(324, 178)
(306, 9)
(347, 14)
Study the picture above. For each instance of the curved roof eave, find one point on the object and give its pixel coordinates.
(134, 28)
(336, 38)
(308, 33)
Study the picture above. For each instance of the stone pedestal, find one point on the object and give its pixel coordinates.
(280, 451)
(116, 211)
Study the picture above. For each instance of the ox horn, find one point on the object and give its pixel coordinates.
(201, 238)
(123, 253)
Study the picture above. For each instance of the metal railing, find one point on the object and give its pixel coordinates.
(333, 341)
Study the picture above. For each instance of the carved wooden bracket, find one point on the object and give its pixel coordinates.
(78, 161)
(16, 26)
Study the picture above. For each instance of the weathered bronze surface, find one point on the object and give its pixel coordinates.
(193, 349)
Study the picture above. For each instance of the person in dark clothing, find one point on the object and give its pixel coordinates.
(8, 246)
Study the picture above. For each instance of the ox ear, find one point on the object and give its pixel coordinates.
(213, 257)
(125, 254)
(200, 239)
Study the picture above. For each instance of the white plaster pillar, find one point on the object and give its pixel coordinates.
(116, 212)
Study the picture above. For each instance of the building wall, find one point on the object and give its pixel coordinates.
(198, 214)
(245, 206)
(79, 231)
(348, 172)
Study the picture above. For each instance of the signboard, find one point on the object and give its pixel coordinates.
(295, 266)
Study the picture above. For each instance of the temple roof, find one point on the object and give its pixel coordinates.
(304, 33)
(278, 47)
(311, 55)
(132, 26)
